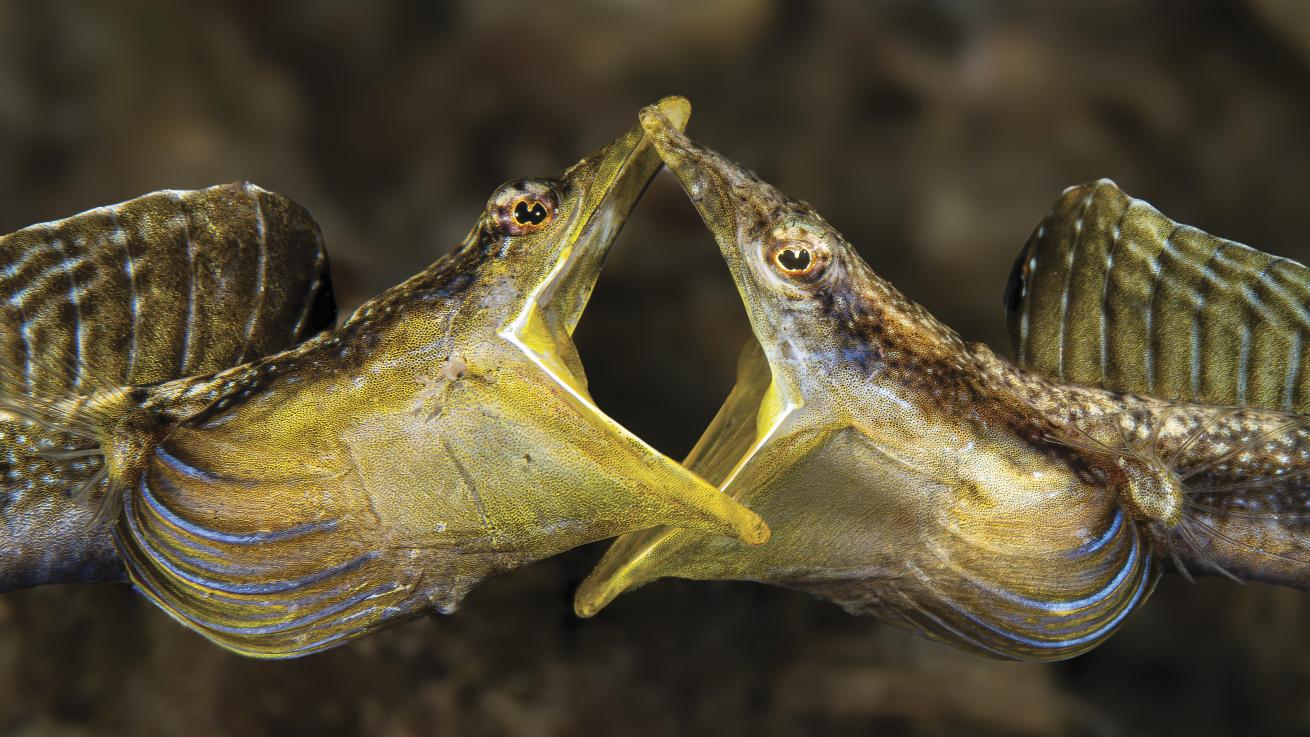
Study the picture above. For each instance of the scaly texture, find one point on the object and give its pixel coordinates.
(910, 475)
(443, 433)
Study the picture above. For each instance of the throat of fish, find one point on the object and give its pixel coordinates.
(549, 343)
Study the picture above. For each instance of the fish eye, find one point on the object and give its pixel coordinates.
(793, 259)
(525, 206)
(526, 214)
(799, 259)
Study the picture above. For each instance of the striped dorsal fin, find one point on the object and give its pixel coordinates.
(170, 284)
(1109, 292)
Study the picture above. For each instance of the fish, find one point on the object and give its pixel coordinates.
(166, 285)
(929, 482)
(441, 434)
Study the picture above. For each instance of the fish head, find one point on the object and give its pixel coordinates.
(797, 276)
(547, 238)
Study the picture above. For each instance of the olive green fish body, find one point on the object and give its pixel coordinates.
(163, 286)
(443, 433)
(900, 475)
(910, 475)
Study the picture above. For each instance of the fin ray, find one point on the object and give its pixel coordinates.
(1131, 301)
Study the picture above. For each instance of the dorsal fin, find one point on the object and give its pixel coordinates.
(166, 285)
(1109, 292)
(169, 284)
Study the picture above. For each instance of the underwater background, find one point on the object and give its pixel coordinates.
(935, 135)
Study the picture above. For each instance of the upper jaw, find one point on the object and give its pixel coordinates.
(610, 183)
(706, 177)
(607, 185)
(740, 210)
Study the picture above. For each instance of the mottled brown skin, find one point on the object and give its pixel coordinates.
(166, 285)
(1244, 472)
(910, 475)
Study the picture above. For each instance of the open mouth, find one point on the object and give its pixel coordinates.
(543, 330)
(620, 175)
(746, 422)
(758, 403)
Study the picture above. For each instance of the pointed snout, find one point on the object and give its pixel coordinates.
(707, 177)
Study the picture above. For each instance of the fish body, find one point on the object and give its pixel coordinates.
(908, 474)
(166, 285)
(442, 434)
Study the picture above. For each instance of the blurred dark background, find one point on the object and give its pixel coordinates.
(934, 134)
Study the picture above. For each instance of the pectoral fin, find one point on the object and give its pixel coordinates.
(270, 567)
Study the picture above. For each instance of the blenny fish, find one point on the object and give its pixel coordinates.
(1003, 509)
(442, 434)
(167, 285)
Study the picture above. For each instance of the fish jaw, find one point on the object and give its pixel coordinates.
(610, 183)
(607, 185)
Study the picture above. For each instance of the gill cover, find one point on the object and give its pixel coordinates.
(441, 435)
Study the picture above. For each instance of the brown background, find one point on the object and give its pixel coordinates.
(934, 134)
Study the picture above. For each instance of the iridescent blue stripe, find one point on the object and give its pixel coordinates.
(183, 467)
(311, 618)
(147, 546)
(1091, 636)
(1066, 607)
(1095, 545)
(236, 588)
(245, 538)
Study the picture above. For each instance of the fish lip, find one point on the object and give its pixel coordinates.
(622, 171)
(738, 208)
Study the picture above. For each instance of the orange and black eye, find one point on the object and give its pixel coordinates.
(530, 213)
(801, 260)
(794, 259)
(523, 207)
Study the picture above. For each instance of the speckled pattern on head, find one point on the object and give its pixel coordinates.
(910, 475)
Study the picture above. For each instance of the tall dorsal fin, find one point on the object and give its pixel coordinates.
(1109, 292)
(169, 284)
